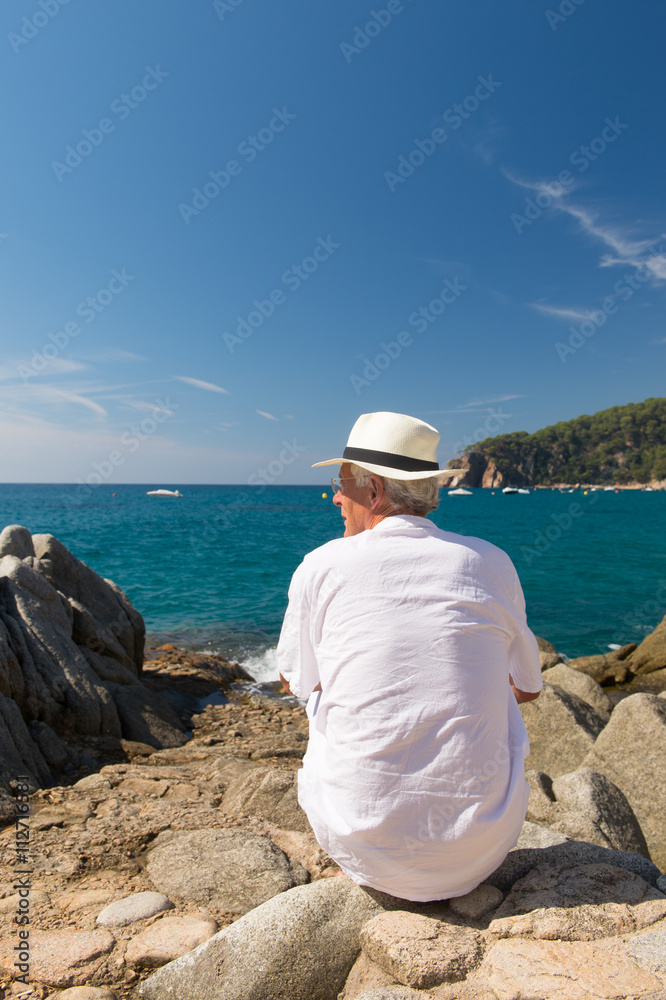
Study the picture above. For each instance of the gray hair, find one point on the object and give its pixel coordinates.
(419, 496)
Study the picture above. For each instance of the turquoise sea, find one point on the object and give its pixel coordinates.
(211, 570)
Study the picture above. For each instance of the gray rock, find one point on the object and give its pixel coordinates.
(661, 884)
(478, 903)
(270, 794)
(580, 684)
(233, 869)
(649, 950)
(16, 541)
(107, 604)
(540, 804)
(300, 945)
(53, 749)
(418, 951)
(590, 807)
(43, 616)
(631, 752)
(19, 754)
(575, 885)
(28, 688)
(520, 861)
(146, 717)
(562, 729)
(138, 906)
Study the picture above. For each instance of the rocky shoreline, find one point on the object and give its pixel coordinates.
(168, 858)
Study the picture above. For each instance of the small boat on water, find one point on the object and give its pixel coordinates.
(510, 489)
(163, 493)
(524, 491)
(460, 492)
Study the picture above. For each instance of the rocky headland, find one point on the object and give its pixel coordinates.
(153, 840)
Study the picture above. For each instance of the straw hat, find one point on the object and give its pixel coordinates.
(393, 445)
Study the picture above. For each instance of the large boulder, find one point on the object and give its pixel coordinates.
(231, 869)
(20, 757)
(631, 752)
(112, 614)
(16, 540)
(420, 951)
(585, 805)
(582, 685)
(300, 945)
(562, 729)
(651, 654)
(45, 619)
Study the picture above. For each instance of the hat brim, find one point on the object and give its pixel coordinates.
(382, 470)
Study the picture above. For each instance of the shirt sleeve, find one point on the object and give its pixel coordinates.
(524, 665)
(295, 653)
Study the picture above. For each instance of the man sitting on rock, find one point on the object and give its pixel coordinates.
(412, 646)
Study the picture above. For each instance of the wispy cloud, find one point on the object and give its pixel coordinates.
(56, 366)
(577, 314)
(477, 405)
(623, 245)
(208, 386)
(658, 340)
(269, 416)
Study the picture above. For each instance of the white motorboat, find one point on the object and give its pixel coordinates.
(524, 491)
(163, 493)
(460, 492)
(510, 489)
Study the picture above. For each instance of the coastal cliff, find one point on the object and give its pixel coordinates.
(621, 446)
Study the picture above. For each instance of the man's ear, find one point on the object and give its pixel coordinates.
(375, 490)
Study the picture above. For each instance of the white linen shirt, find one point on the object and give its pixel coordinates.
(413, 780)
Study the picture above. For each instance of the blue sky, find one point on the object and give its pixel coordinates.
(229, 228)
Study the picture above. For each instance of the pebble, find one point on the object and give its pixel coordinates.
(138, 906)
(87, 993)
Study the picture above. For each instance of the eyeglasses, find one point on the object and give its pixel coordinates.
(336, 484)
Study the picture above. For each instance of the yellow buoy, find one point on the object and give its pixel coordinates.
(324, 496)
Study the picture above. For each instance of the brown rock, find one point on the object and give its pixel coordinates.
(606, 668)
(63, 957)
(548, 655)
(268, 793)
(303, 848)
(580, 923)
(562, 729)
(631, 752)
(365, 975)
(651, 654)
(420, 951)
(167, 939)
(563, 971)
(87, 993)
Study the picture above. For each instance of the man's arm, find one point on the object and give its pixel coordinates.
(521, 696)
(285, 685)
